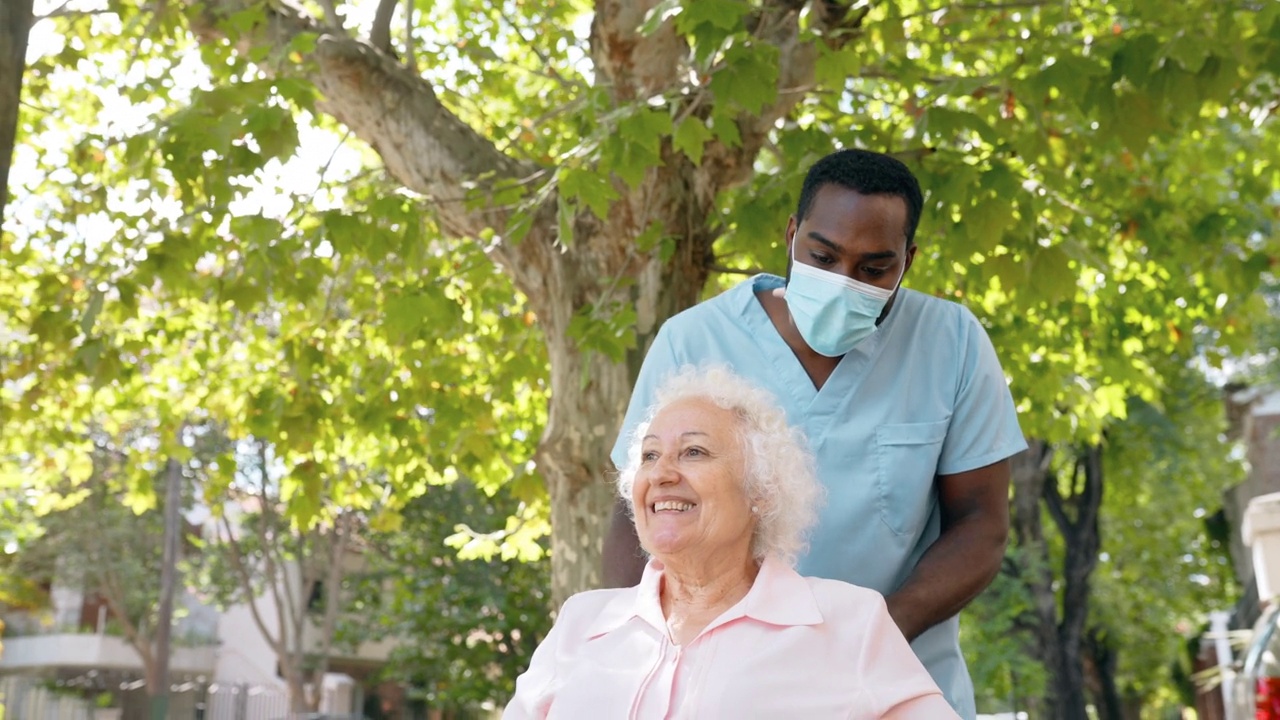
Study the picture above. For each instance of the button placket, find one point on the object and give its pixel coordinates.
(638, 700)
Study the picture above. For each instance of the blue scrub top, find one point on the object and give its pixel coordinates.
(922, 396)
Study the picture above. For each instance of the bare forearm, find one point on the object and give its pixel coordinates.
(623, 559)
(952, 572)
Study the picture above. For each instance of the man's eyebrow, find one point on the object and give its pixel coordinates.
(883, 255)
(815, 235)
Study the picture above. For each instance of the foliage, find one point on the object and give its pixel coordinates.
(464, 628)
(1162, 567)
(97, 545)
(292, 312)
(997, 649)
(1263, 367)
(1163, 571)
(291, 577)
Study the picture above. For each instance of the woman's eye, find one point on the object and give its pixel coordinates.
(694, 451)
(649, 456)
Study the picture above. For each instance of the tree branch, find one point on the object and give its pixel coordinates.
(333, 593)
(1013, 5)
(1076, 490)
(380, 33)
(542, 57)
(1093, 487)
(736, 271)
(15, 26)
(246, 584)
(62, 11)
(269, 532)
(331, 17)
(422, 144)
(1053, 501)
(634, 65)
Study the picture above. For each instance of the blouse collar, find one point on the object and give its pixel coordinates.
(779, 596)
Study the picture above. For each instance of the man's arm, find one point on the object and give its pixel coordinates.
(623, 559)
(966, 556)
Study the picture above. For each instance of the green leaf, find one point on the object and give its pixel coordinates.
(1052, 278)
(691, 137)
(723, 14)
(565, 213)
(725, 128)
(987, 221)
(651, 236)
(748, 78)
(90, 315)
(659, 14)
(589, 187)
(835, 67)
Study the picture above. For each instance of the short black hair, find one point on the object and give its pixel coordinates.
(866, 172)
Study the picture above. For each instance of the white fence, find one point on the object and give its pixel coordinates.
(31, 698)
(23, 699)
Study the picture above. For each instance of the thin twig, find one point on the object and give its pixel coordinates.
(983, 6)
(546, 62)
(246, 584)
(736, 271)
(62, 11)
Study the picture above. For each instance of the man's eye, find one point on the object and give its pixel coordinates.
(874, 272)
(822, 259)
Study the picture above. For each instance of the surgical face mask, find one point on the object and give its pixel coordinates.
(832, 312)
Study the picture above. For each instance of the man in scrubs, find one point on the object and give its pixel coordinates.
(900, 394)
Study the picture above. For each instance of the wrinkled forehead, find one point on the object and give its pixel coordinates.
(696, 414)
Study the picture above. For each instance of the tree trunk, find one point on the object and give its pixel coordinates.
(1132, 706)
(589, 394)
(158, 691)
(1103, 664)
(297, 693)
(1059, 633)
(1029, 470)
(15, 28)
(335, 544)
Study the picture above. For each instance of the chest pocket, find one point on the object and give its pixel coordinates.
(907, 461)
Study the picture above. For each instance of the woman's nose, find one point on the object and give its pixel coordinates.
(666, 472)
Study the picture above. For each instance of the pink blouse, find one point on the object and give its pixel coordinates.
(794, 647)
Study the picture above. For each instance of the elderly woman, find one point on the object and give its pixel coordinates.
(721, 626)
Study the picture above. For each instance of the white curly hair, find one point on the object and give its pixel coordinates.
(781, 478)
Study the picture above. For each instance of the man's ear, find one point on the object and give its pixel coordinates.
(792, 226)
(911, 258)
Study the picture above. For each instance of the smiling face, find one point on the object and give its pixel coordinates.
(689, 496)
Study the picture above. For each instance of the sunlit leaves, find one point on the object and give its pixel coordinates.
(466, 627)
